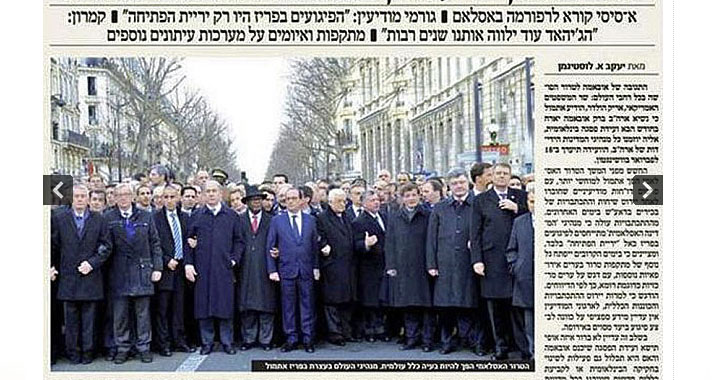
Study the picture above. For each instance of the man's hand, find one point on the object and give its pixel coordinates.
(274, 277)
(155, 276)
(369, 241)
(274, 253)
(391, 272)
(172, 264)
(316, 274)
(191, 273)
(326, 250)
(53, 273)
(84, 268)
(508, 204)
(433, 272)
(479, 268)
(192, 242)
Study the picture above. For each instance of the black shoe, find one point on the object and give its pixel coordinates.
(371, 339)
(206, 349)
(228, 349)
(267, 347)
(500, 355)
(408, 346)
(146, 357)
(354, 340)
(165, 352)
(400, 340)
(337, 342)
(111, 354)
(287, 347)
(309, 348)
(384, 338)
(478, 351)
(427, 348)
(74, 358)
(447, 349)
(246, 346)
(87, 358)
(184, 348)
(121, 358)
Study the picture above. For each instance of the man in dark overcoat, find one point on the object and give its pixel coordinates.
(519, 254)
(448, 260)
(493, 215)
(405, 263)
(337, 267)
(215, 228)
(369, 239)
(169, 314)
(257, 295)
(135, 265)
(79, 247)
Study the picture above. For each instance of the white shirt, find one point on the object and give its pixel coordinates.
(259, 215)
(215, 209)
(298, 220)
(356, 210)
(379, 219)
(127, 213)
(168, 216)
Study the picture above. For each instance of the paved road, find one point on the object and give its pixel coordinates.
(219, 361)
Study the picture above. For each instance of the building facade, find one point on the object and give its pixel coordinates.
(93, 130)
(69, 143)
(426, 115)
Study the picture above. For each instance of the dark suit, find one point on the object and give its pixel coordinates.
(370, 272)
(135, 254)
(80, 293)
(519, 254)
(170, 289)
(298, 258)
(490, 231)
(257, 295)
(337, 272)
(351, 214)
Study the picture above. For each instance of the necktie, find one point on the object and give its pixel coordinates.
(178, 242)
(80, 223)
(296, 231)
(503, 195)
(379, 221)
(254, 225)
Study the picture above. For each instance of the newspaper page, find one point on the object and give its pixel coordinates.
(411, 140)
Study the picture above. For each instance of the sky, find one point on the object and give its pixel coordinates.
(248, 93)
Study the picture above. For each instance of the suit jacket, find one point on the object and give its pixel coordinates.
(69, 248)
(490, 231)
(298, 255)
(370, 272)
(168, 276)
(350, 212)
(519, 254)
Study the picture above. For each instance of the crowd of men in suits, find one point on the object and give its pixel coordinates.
(156, 265)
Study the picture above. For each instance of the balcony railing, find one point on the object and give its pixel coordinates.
(75, 138)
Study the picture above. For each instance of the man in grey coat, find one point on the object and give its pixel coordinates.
(448, 261)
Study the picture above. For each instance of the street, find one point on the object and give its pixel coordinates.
(219, 361)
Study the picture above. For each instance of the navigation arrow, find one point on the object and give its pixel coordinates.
(55, 190)
(649, 188)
